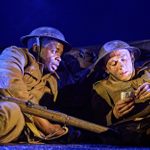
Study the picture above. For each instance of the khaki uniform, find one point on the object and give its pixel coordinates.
(21, 76)
(108, 92)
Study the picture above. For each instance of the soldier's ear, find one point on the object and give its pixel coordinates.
(106, 70)
(34, 47)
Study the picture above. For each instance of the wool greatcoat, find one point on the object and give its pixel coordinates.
(21, 76)
(108, 91)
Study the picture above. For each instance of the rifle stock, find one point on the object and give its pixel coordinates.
(40, 111)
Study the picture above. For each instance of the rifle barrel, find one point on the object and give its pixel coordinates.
(37, 110)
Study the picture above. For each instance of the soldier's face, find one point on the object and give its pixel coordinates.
(51, 52)
(120, 65)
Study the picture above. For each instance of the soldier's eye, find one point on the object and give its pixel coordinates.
(113, 63)
(123, 59)
(53, 51)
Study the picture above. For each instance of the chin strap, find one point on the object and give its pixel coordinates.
(38, 48)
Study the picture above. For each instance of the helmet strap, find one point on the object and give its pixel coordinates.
(38, 48)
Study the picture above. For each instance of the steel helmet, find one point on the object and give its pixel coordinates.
(111, 46)
(48, 32)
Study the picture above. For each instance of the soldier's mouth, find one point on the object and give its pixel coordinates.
(54, 67)
(124, 73)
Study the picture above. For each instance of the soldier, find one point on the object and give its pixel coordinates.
(125, 92)
(30, 74)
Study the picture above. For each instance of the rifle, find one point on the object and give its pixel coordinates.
(40, 111)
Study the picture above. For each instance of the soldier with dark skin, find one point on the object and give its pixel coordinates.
(30, 74)
(111, 102)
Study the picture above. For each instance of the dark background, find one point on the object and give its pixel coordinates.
(84, 22)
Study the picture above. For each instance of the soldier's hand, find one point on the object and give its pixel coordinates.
(123, 107)
(47, 127)
(143, 91)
